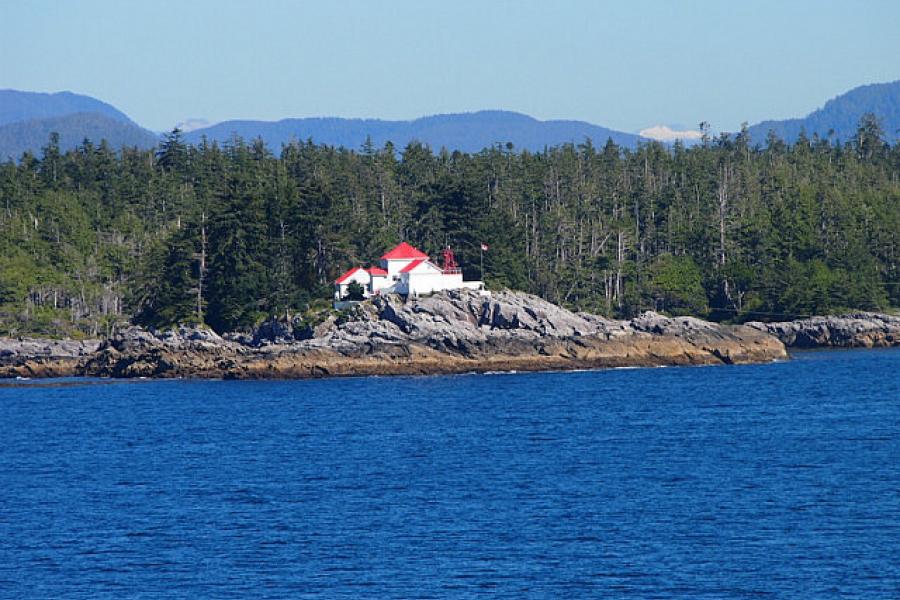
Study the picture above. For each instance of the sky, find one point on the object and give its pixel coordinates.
(624, 64)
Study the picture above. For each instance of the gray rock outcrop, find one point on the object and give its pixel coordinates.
(852, 330)
(13, 349)
(456, 320)
(31, 357)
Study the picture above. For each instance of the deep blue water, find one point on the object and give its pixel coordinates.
(778, 480)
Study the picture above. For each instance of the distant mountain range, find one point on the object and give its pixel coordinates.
(25, 106)
(839, 118)
(28, 118)
(32, 135)
(468, 132)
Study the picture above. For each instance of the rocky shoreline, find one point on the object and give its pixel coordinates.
(852, 330)
(451, 332)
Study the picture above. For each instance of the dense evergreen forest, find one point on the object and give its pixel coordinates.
(732, 229)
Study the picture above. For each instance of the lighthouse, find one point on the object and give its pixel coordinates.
(408, 271)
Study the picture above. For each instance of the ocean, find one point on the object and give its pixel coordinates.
(778, 480)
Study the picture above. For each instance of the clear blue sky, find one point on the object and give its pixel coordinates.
(625, 64)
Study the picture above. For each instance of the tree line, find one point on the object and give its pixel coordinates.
(729, 229)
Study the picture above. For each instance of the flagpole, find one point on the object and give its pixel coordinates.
(481, 248)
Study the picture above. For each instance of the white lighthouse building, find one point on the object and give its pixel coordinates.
(405, 270)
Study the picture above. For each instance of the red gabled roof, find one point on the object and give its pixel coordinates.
(377, 272)
(412, 265)
(347, 275)
(404, 250)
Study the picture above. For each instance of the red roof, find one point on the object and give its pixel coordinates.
(347, 275)
(377, 272)
(404, 250)
(412, 265)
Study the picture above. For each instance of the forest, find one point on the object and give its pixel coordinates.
(732, 229)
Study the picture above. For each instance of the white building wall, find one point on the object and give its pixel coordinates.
(424, 283)
(395, 265)
(379, 283)
(418, 284)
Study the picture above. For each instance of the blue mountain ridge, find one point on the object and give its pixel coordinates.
(839, 117)
(467, 132)
(33, 134)
(28, 118)
(24, 106)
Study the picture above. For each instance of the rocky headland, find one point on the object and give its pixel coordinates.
(852, 330)
(451, 332)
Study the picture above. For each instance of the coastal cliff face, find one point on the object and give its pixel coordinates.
(450, 332)
(29, 357)
(853, 330)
